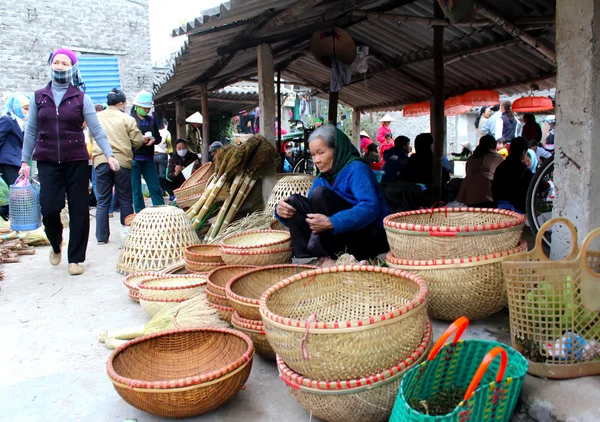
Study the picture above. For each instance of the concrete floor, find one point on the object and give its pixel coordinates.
(52, 367)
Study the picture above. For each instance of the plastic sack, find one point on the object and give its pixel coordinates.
(24, 204)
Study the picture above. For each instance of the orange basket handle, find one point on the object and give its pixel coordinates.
(559, 220)
(484, 366)
(460, 325)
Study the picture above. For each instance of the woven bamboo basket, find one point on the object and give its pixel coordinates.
(225, 312)
(181, 286)
(203, 253)
(347, 321)
(287, 185)
(260, 258)
(358, 400)
(217, 299)
(152, 306)
(472, 287)
(244, 291)
(188, 201)
(131, 282)
(181, 373)
(452, 232)
(256, 331)
(555, 307)
(203, 173)
(258, 241)
(218, 279)
(277, 225)
(183, 193)
(155, 240)
(201, 267)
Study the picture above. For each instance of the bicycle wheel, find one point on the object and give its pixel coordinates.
(540, 199)
(300, 166)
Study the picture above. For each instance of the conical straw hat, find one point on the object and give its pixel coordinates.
(333, 42)
(195, 118)
(387, 118)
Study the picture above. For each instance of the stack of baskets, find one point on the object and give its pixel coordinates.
(459, 253)
(257, 247)
(215, 289)
(192, 189)
(244, 291)
(132, 280)
(202, 258)
(154, 293)
(344, 337)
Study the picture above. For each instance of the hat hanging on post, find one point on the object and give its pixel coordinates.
(387, 118)
(334, 42)
(195, 118)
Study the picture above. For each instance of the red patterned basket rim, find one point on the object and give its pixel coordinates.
(181, 382)
(287, 238)
(200, 283)
(238, 321)
(359, 382)
(190, 251)
(455, 261)
(246, 321)
(162, 299)
(223, 268)
(255, 302)
(142, 274)
(246, 252)
(218, 296)
(419, 299)
(221, 307)
(203, 264)
(189, 187)
(517, 220)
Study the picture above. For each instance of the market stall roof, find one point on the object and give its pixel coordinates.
(508, 45)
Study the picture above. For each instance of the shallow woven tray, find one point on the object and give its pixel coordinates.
(202, 173)
(224, 312)
(473, 287)
(256, 331)
(218, 279)
(181, 373)
(261, 258)
(131, 282)
(452, 232)
(180, 286)
(244, 291)
(258, 240)
(188, 201)
(201, 267)
(195, 189)
(155, 240)
(357, 400)
(345, 322)
(217, 299)
(203, 253)
(287, 185)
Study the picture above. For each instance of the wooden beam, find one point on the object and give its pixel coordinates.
(342, 7)
(438, 121)
(492, 14)
(266, 99)
(205, 125)
(476, 51)
(180, 119)
(333, 107)
(422, 20)
(289, 15)
(356, 128)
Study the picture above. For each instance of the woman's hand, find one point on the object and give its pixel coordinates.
(113, 164)
(178, 170)
(24, 168)
(319, 223)
(285, 210)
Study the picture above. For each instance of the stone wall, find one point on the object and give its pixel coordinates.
(30, 30)
(412, 126)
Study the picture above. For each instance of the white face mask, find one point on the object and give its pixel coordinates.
(182, 152)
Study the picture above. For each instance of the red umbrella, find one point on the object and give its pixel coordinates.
(482, 97)
(532, 104)
(456, 105)
(416, 109)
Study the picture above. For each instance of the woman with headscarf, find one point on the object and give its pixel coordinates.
(345, 207)
(54, 137)
(12, 125)
(531, 160)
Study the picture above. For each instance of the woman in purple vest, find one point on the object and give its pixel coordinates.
(54, 138)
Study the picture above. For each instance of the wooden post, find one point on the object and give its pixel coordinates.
(278, 144)
(266, 102)
(438, 122)
(180, 120)
(333, 105)
(356, 128)
(205, 125)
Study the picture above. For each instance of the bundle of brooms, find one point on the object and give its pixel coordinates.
(237, 169)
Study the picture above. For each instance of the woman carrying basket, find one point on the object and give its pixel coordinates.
(54, 136)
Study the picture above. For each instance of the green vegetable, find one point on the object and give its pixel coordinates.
(444, 402)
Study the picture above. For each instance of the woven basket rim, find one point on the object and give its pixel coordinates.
(222, 268)
(217, 296)
(457, 261)
(517, 220)
(372, 381)
(256, 302)
(189, 250)
(191, 186)
(161, 299)
(221, 307)
(225, 251)
(142, 286)
(287, 238)
(419, 299)
(205, 264)
(246, 323)
(196, 380)
(139, 274)
(202, 171)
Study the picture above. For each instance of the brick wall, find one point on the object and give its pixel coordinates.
(31, 29)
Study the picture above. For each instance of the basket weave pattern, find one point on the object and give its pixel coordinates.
(224, 312)
(256, 331)
(155, 240)
(350, 320)
(181, 373)
(132, 280)
(183, 286)
(286, 186)
(260, 258)
(258, 240)
(203, 253)
(201, 267)
(218, 279)
(217, 299)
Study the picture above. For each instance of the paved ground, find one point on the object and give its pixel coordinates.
(52, 367)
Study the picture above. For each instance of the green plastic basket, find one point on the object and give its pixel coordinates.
(491, 373)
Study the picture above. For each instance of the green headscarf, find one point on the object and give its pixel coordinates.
(344, 154)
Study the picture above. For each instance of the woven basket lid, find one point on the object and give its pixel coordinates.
(334, 42)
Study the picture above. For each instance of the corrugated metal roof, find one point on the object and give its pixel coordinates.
(400, 61)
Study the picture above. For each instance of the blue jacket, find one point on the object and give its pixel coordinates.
(11, 141)
(396, 161)
(356, 183)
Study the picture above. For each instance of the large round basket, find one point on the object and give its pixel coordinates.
(244, 291)
(258, 258)
(169, 286)
(181, 373)
(357, 400)
(193, 190)
(452, 232)
(345, 322)
(203, 253)
(155, 240)
(218, 279)
(131, 282)
(201, 174)
(256, 331)
(258, 241)
(289, 185)
(224, 312)
(472, 287)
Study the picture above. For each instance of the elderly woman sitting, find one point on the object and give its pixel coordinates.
(345, 208)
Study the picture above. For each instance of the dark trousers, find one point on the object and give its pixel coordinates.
(169, 186)
(72, 179)
(161, 161)
(364, 243)
(9, 175)
(106, 179)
